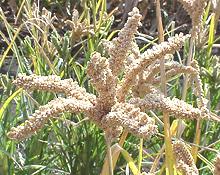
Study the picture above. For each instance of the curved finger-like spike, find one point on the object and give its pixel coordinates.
(41, 116)
(150, 76)
(195, 8)
(103, 81)
(176, 107)
(178, 70)
(123, 43)
(173, 44)
(53, 83)
(184, 159)
(198, 90)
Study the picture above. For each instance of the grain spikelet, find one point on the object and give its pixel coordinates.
(53, 83)
(123, 43)
(79, 29)
(41, 116)
(173, 44)
(176, 107)
(184, 159)
(132, 119)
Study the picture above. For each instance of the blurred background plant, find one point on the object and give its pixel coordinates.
(50, 37)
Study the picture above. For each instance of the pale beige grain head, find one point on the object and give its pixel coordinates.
(184, 159)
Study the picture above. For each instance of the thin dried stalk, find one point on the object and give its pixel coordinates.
(166, 120)
(109, 154)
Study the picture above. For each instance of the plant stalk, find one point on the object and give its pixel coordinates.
(185, 83)
(169, 159)
(109, 154)
(195, 148)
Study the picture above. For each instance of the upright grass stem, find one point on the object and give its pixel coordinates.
(116, 155)
(194, 150)
(189, 60)
(185, 83)
(168, 145)
(140, 155)
(109, 154)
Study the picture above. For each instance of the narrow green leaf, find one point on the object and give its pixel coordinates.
(130, 161)
(6, 103)
(211, 35)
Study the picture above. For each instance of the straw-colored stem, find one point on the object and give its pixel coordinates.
(159, 22)
(109, 154)
(185, 83)
(121, 143)
(195, 149)
(168, 145)
(157, 160)
(115, 155)
(189, 60)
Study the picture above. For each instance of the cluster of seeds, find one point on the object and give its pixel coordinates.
(195, 9)
(50, 110)
(132, 119)
(184, 159)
